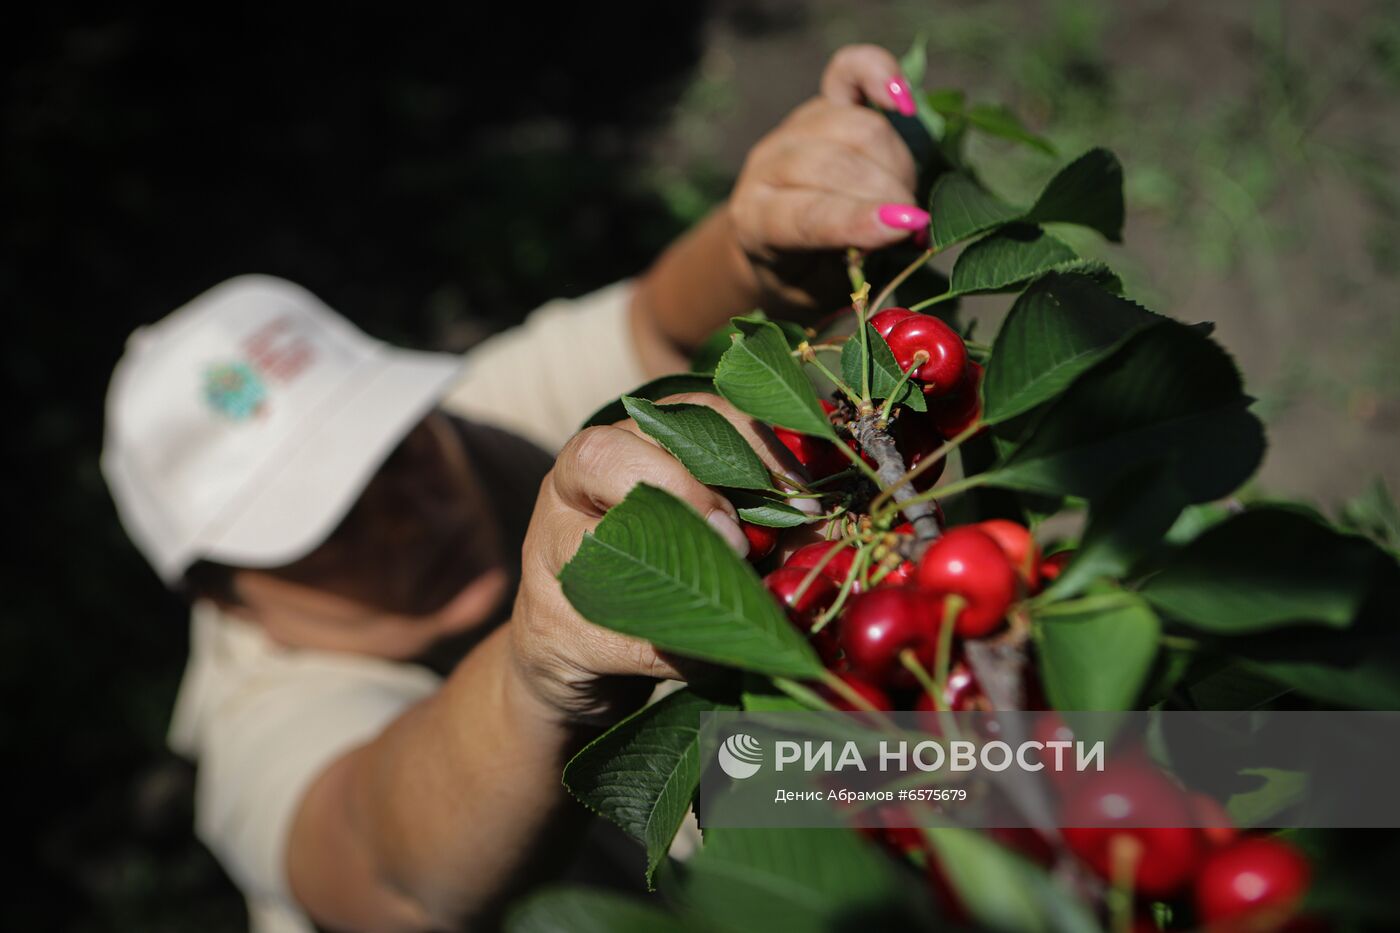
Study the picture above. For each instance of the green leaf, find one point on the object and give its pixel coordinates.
(660, 387)
(1354, 669)
(760, 377)
(913, 63)
(643, 772)
(1087, 192)
(949, 101)
(1168, 396)
(654, 569)
(1124, 526)
(578, 909)
(962, 208)
(1278, 790)
(1013, 254)
(997, 120)
(1374, 514)
(1097, 658)
(797, 880)
(704, 441)
(1265, 568)
(1001, 890)
(884, 370)
(1058, 329)
(774, 514)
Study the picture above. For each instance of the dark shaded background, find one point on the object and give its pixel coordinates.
(434, 175)
(431, 175)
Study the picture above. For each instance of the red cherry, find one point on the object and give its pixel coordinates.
(880, 624)
(828, 646)
(1253, 876)
(959, 410)
(872, 694)
(961, 694)
(820, 457)
(1052, 566)
(953, 907)
(902, 575)
(1102, 808)
(1017, 544)
(785, 582)
(947, 356)
(968, 563)
(1216, 825)
(762, 540)
(836, 569)
(1027, 842)
(884, 321)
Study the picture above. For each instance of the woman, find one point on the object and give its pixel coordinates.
(340, 781)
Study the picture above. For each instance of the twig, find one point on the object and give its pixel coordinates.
(875, 439)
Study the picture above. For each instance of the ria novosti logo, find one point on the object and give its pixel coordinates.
(740, 756)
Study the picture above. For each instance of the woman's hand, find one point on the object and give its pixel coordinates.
(833, 174)
(576, 671)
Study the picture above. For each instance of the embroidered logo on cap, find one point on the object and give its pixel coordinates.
(276, 354)
(234, 390)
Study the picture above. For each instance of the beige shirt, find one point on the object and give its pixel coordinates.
(263, 721)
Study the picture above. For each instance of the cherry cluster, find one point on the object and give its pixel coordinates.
(891, 617)
(1231, 880)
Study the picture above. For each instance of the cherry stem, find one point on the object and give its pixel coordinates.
(930, 302)
(943, 659)
(1124, 853)
(859, 301)
(782, 479)
(833, 478)
(855, 268)
(899, 279)
(847, 692)
(920, 358)
(942, 492)
(816, 570)
(910, 660)
(808, 355)
(846, 586)
(804, 695)
(946, 448)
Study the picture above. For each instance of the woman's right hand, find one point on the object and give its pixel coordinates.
(577, 671)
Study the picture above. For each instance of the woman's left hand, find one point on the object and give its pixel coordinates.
(833, 174)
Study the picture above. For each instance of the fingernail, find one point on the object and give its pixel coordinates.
(903, 216)
(729, 530)
(901, 95)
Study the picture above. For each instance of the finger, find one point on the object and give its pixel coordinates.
(801, 219)
(600, 465)
(820, 164)
(857, 128)
(867, 72)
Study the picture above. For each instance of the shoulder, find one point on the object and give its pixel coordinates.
(262, 723)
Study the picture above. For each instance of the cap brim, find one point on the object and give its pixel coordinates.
(302, 499)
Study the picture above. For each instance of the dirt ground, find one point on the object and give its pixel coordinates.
(1261, 143)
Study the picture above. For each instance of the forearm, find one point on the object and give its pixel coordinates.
(449, 810)
(700, 282)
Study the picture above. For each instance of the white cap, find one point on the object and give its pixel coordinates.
(242, 427)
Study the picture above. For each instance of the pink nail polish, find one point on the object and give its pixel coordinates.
(903, 216)
(901, 95)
